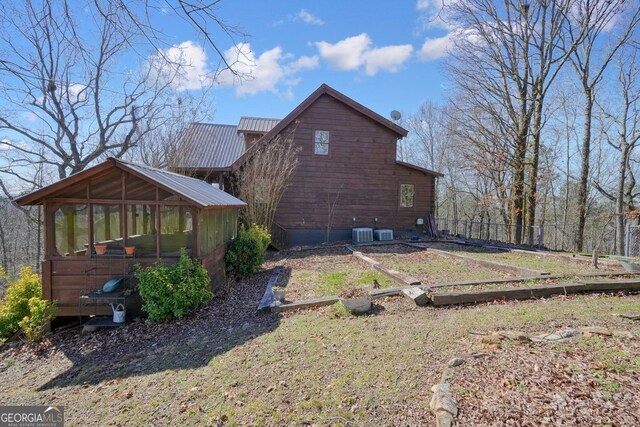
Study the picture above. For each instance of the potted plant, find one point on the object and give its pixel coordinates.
(356, 300)
(100, 248)
(278, 293)
(129, 250)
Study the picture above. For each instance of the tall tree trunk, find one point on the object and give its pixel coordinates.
(584, 172)
(535, 160)
(620, 197)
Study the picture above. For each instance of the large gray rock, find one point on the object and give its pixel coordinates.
(561, 335)
(442, 405)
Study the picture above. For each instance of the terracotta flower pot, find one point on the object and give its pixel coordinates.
(100, 249)
(129, 250)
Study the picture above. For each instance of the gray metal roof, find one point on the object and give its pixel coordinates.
(256, 124)
(211, 146)
(194, 190)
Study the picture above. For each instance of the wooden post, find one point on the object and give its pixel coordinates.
(157, 223)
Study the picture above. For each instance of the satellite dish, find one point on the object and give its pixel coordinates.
(395, 115)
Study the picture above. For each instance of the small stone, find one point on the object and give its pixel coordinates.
(561, 335)
(595, 330)
(456, 361)
(270, 389)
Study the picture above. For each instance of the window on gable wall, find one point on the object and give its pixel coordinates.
(321, 145)
(407, 192)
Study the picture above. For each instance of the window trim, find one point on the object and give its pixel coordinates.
(315, 143)
(413, 196)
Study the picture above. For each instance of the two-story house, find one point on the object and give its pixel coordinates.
(346, 163)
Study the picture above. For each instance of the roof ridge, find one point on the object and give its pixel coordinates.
(212, 124)
(142, 165)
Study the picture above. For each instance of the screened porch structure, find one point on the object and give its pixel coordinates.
(101, 222)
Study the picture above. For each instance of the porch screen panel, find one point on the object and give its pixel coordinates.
(141, 229)
(71, 234)
(176, 230)
(106, 226)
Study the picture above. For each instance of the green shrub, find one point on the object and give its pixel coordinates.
(173, 291)
(246, 253)
(15, 304)
(41, 312)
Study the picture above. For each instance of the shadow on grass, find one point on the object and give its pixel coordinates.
(144, 348)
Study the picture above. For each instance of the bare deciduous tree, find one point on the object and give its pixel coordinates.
(264, 177)
(597, 43)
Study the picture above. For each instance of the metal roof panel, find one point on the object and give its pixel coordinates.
(256, 124)
(211, 146)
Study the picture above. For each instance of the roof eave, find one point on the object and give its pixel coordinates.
(420, 169)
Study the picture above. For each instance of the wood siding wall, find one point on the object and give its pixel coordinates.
(360, 171)
(65, 279)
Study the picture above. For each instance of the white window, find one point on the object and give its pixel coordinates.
(321, 145)
(407, 191)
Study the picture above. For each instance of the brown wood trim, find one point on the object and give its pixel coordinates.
(118, 201)
(158, 185)
(37, 196)
(45, 267)
(90, 230)
(195, 219)
(123, 210)
(157, 208)
(48, 243)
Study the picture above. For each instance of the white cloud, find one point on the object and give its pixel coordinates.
(30, 116)
(303, 63)
(347, 54)
(185, 64)
(4, 146)
(307, 18)
(265, 72)
(434, 13)
(388, 58)
(252, 73)
(437, 47)
(355, 52)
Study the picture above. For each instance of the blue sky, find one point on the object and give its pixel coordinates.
(370, 50)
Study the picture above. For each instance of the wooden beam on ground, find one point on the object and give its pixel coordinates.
(395, 275)
(577, 258)
(315, 302)
(417, 295)
(450, 298)
(489, 264)
(268, 298)
(527, 278)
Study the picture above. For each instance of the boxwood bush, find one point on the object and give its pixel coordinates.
(23, 308)
(246, 252)
(172, 291)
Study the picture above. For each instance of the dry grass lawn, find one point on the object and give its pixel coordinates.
(322, 368)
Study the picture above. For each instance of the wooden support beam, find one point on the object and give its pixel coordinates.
(489, 264)
(450, 298)
(315, 302)
(417, 295)
(394, 275)
(576, 258)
